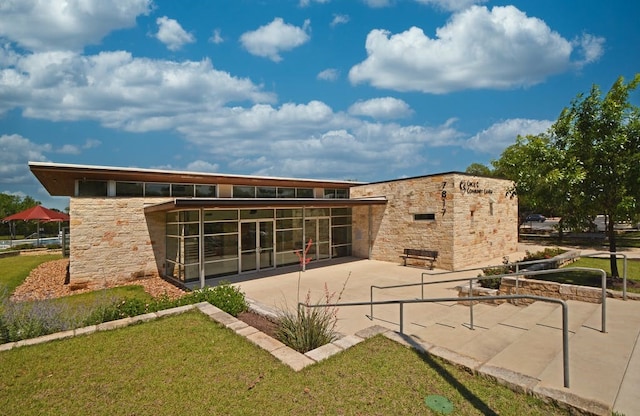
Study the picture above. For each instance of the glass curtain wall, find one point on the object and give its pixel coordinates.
(183, 245)
(224, 240)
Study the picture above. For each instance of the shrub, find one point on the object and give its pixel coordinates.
(22, 320)
(307, 329)
(224, 296)
(547, 253)
(310, 327)
(493, 271)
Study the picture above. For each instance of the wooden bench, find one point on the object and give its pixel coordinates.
(413, 253)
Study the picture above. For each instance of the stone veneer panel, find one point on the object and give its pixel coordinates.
(475, 219)
(111, 239)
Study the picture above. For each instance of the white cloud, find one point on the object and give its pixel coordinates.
(377, 3)
(451, 5)
(503, 134)
(16, 152)
(339, 19)
(69, 149)
(591, 47)
(216, 37)
(329, 74)
(91, 143)
(381, 108)
(118, 90)
(202, 166)
(270, 40)
(172, 34)
(42, 25)
(478, 48)
(306, 3)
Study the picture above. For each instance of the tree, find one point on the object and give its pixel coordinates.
(479, 169)
(588, 163)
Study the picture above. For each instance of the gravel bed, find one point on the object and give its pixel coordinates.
(47, 281)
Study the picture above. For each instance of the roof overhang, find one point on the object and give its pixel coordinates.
(59, 179)
(186, 203)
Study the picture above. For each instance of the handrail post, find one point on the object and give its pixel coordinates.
(470, 305)
(624, 277)
(565, 343)
(422, 286)
(604, 301)
(401, 317)
(371, 304)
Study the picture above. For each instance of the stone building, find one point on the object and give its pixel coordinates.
(193, 228)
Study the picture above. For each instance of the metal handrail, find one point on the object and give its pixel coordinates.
(624, 268)
(401, 303)
(522, 273)
(507, 264)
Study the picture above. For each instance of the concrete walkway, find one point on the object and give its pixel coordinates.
(518, 346)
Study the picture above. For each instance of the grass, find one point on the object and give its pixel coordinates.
(13, 270)
(187, 364)
(594, 279)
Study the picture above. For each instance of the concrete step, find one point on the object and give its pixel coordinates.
(488, 344)
(531, 353)
(603, 366)
(452, 315)
(453, 336)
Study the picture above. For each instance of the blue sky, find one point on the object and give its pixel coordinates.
(367, 90)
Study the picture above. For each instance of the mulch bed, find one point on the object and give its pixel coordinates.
(259, 322)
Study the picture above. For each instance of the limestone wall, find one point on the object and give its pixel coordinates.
(548, 289)
(111, 239)
(485, 219)
(474, 219)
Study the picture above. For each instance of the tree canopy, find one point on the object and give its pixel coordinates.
(587, 164)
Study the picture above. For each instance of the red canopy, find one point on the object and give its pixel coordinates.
(38, 213)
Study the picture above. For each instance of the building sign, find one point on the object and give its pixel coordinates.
(473, 187)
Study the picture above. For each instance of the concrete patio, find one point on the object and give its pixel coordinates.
(517, 346)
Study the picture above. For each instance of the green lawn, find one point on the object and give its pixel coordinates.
(594, 279)
(188, 364)
(13, 270)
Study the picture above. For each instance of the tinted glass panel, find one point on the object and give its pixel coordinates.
(220, 227)
(92, 188)
(206, 191)
(244, 191)
(289, 223)
(288, 213)
(248, 214)
(317, 212)
(304, 193)
(210, 215)
(266, 192)
(179, 190)
(286, 192)
(157, 189)
(189, 216)
(340, 211)
(341, 235)
(129, 189)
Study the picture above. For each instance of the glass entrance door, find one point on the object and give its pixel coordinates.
(256, 245)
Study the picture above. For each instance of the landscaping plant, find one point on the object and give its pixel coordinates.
(310, 326)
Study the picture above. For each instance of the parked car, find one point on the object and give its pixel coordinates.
(535, 218)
